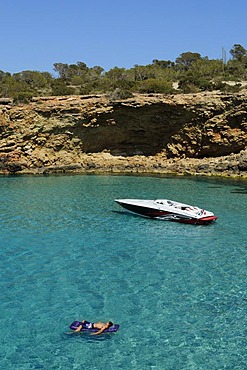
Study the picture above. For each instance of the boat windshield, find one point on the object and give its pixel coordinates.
(164, 202)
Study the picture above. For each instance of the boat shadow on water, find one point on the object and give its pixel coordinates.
(127, 213)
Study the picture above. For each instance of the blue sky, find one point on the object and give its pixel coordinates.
(35, 34)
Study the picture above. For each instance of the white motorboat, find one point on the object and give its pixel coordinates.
(168, 210)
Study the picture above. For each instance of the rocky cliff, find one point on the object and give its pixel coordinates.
(204, 133)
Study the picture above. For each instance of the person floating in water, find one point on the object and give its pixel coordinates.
(87, 325)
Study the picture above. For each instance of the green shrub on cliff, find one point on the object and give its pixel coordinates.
(154, 86)
(119, 94)
(20, 91)
(59, 88)
(22, 97)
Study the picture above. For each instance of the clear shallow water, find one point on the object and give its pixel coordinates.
(69, 252)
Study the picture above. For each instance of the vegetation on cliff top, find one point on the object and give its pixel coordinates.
(191, 72)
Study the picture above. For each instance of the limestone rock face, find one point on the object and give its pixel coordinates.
(146, 133)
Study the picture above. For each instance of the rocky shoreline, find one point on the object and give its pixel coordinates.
(202, 134)
(233, 166)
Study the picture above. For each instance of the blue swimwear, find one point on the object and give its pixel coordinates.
(87, 325)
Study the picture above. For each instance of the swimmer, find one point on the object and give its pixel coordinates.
(93, 325)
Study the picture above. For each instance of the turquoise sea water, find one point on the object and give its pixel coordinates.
(69, 252)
